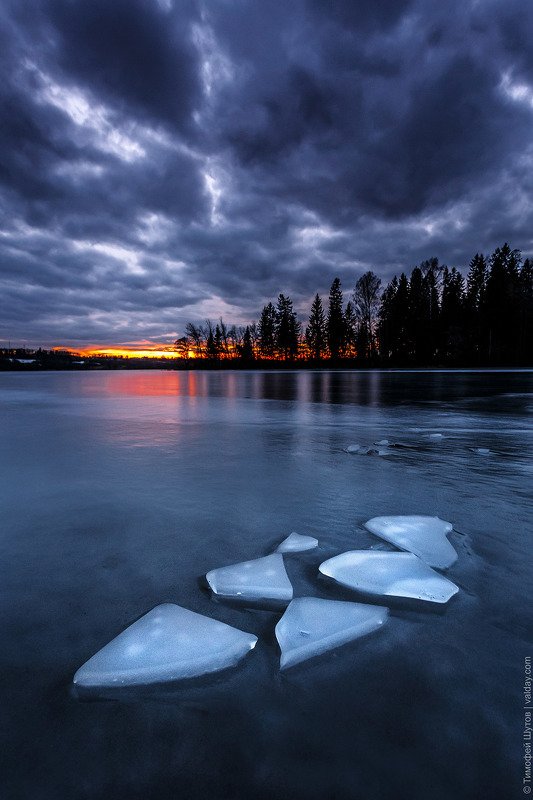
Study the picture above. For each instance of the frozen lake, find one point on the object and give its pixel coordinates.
(121, 489)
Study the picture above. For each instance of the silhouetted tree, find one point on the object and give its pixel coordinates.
(316, 332)
(387, 323)
(336, 333)
(287, 328)
(366, 299)
(350, 330)
(246, 347)
(212, 345)
(452, 315)
(400, 314)
(525, 314)
(501, 298)
(196, 334)
(266, 333)
(476, 285)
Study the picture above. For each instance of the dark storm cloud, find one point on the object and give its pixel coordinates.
(162, 161)
(131, 53)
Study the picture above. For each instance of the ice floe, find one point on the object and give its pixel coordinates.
(297, 543)
(166, 644)
(310, 626)
(423, 536)
(382, 443)
(388, 575)
(481, 451)
(361, 450)
(261, 581)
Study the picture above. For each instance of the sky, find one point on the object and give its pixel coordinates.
(164, 161)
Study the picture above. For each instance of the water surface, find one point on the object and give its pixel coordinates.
(120, 489)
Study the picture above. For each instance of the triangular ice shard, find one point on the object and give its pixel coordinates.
(311, 626)
(261, 581)
(389, 575)
(423, 536)
(296, 543)
(168, 643)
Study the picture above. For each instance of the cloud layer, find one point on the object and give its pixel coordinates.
(164, 161)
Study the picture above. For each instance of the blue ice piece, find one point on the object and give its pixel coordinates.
(166, 644)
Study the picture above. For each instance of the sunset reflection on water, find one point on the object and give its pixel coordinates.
(144, 383)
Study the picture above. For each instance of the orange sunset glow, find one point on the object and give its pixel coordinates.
(144, 350)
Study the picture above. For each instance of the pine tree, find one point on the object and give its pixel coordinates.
(476, 285)
(500, 304)
(246, 348)
(266, 332)
(350, 329)
(452, 315)
(525, 314)
(401, 349)
(336, 333)
(287, 328)
(316, 333)
(387, 323)
(212, 346)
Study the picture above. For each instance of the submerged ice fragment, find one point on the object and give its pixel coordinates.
(311, 626)
(423, 536)
(388, 575)
(296, 543)
(166, 644)
(361, 450)
(263, 580)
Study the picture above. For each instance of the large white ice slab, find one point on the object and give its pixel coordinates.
(167, 644)
(389, 575)
(296, 543)
(263, 580)
(423, 536)
(311, 626)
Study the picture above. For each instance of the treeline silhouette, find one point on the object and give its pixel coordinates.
(435, 316)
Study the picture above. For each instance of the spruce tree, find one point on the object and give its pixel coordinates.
(452, 315)
(350, 330)
(336, 333)
(476, 285)
(266, 331)
(287, 328)
(500, 304)
(315, 333)
(246, 346)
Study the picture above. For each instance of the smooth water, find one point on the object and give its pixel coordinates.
(119, 490)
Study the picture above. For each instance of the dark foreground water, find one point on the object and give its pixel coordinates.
(119, 490)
